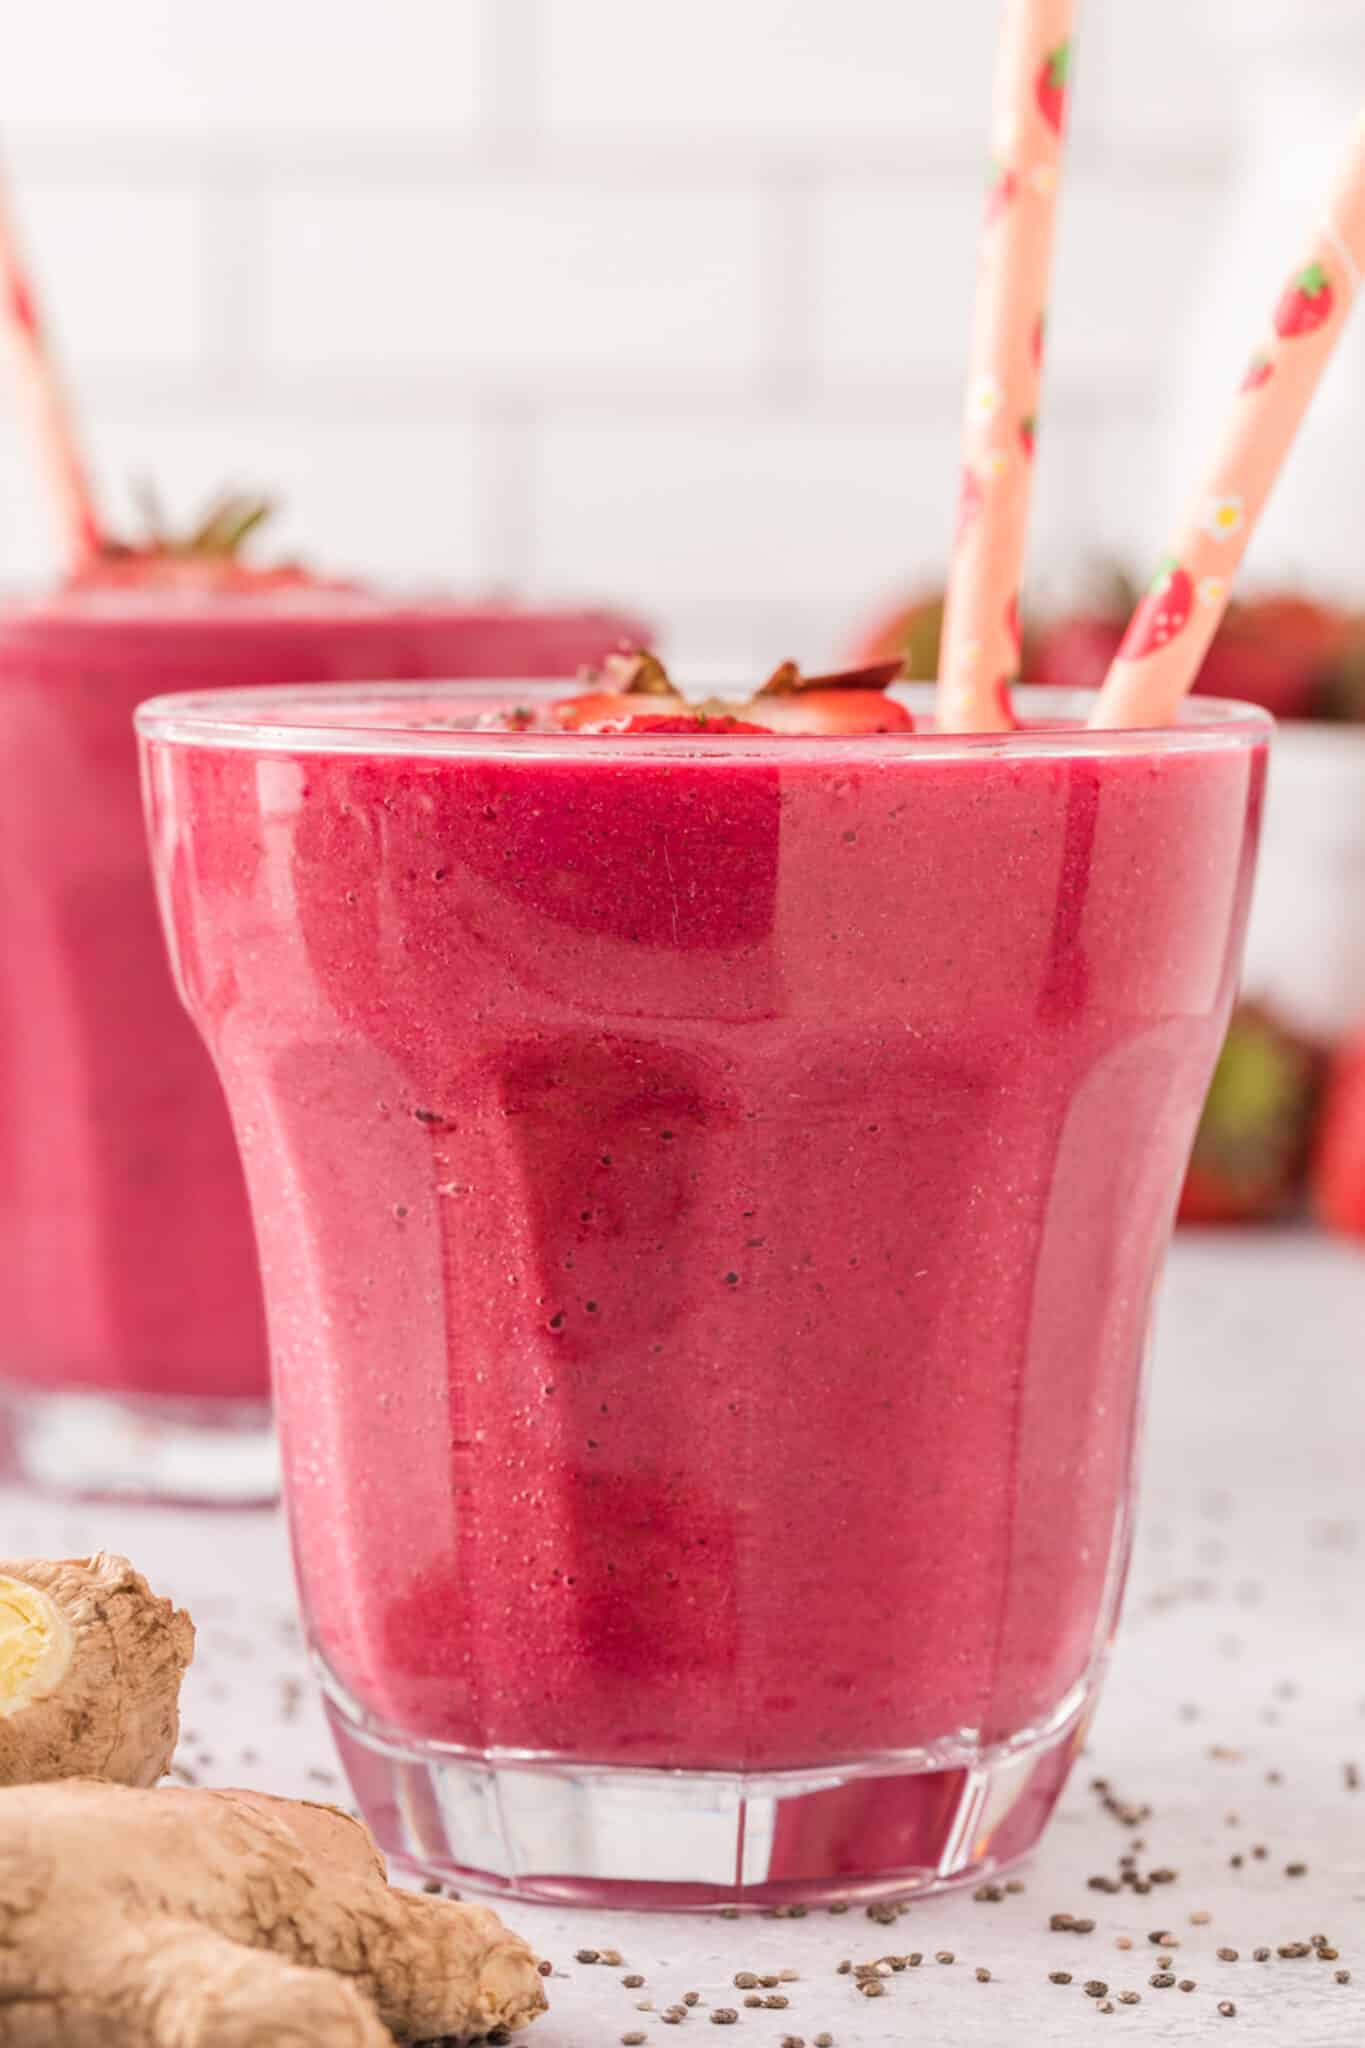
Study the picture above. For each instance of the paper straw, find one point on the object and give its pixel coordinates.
(45, 403)
(1169, 633)
(980, 656)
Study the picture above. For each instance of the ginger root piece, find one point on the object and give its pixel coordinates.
(193, 1919)
(90, 1667)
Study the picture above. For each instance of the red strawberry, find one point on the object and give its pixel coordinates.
(1258, 372)
(1338, 1171)
(1028, 430)
(1251, 1147)
(1003, 187)
(838, 712)
(699, 722)
(1051, 86)
(1307, 302)
(1163, 612)
(970, 500)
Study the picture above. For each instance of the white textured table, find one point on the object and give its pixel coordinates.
(1235, 1710)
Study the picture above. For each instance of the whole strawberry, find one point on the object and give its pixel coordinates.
(1251, 1149)
(1338, 1170)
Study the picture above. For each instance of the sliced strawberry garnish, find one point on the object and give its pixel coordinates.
(207, 561)
(837, 712)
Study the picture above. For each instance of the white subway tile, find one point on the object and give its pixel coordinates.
(512, 276)
(897, 268)
(797, 68)
(1159, 73)
(192, 65)
(117, 266)
(776, 514)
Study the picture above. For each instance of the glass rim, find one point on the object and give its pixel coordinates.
(239, 720)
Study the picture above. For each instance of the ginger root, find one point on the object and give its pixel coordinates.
(195, 1919)
(90, 1667)
(137, 1916)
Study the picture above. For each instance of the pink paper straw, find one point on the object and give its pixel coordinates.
(980, 656)
(1169, 633)
(45, 403)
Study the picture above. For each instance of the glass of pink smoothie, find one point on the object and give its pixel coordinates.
(711, 1190)
(132, 1345)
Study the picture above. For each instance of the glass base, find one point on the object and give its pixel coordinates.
(140, 1447)
(528, 1827)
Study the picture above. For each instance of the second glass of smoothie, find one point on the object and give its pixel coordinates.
(711, 1189)
(132, 1343)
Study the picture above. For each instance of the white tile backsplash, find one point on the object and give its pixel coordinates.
(599, 294)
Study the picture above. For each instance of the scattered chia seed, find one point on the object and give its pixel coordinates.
(724, 2016)
(839, 1906)
(824, 2041)
(1259, 1851)
(672, 2019)
(844, 1968)
(1082, 1927)
(1015, 1884)
(775, 2002)
(632, 1982)
(1162, 1981)
(587, 1955)
(1227, 1955)
(1326, 1954)
(691, 1998)
(1200, 1919)
(753, 2001)
(1059, 1976)
(1062, 1923)
(1262, 1955)
(1096, 1989)
(1164, 1962)
(632, 2040)
(1341, 1976)
(983, 1976)
(1188, 1984)
(1130, 1998)
(1236, 1862)
(1351, 1773)
(872, 1987)
(1108, 2006)
(729, 1912)
(432, 1887)
(1274, 1777)
(1163, 1876)
(988, 1894)
(1292, 1950)
(944, 1955)
(545, 1968)
(1160, 1937)
(1296, 1870)
(744, 1980)
(1227, 2008)
(787, 1977)
(1124, 1941)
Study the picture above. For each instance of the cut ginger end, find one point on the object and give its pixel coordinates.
(90, 1667)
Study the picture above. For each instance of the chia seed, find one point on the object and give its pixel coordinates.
(1096, 1989)
(724, 2016)
(983, 1976)
(1162, 1981)
(1059, 1976)
(1227, 1955)
(1227, 2009)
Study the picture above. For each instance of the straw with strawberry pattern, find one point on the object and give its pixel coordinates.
(980, 655)
(1176, 620)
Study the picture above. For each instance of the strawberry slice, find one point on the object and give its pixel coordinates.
(837, 713)
(1163, 612)
(1307, 303)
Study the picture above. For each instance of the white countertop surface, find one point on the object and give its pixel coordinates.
(1235, 1705)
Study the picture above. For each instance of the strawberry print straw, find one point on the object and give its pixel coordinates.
(46, 405)
(981, 646)
(1170, 631)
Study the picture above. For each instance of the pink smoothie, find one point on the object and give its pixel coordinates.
(126, 1255)
(710, 1197)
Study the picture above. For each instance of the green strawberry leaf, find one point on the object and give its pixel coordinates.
(1166, 569)
(1059, 66)
(1312, 282)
